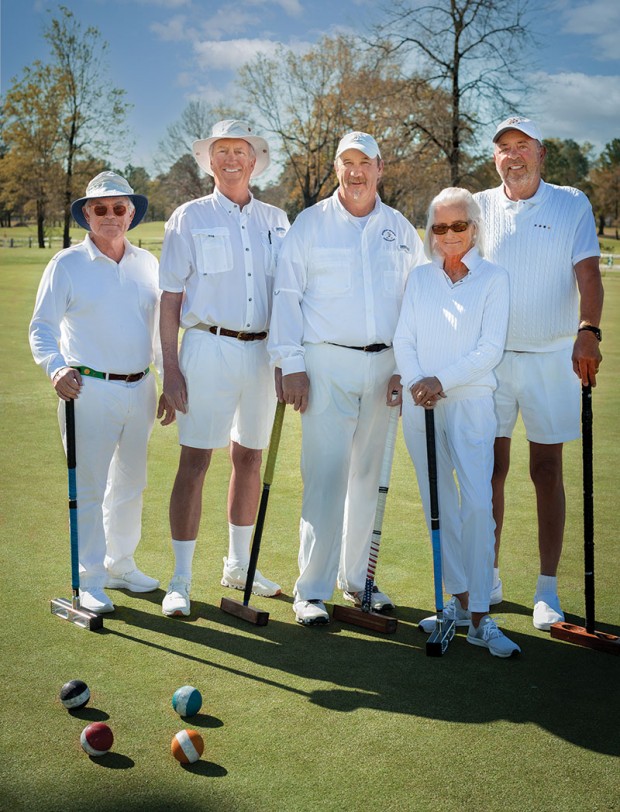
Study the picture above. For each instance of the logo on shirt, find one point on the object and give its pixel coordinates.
(541, 225)
(280, 230)
(388, 235)
(405, 248)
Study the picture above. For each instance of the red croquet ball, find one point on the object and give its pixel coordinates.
(187, 746)
(96, 739)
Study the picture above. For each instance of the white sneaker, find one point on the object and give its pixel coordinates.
(451, 611)
(379, 601)
(134, 581)
(236, 577)
(310, 613)
(95, 600)
(489, 636)
(176, 601)
(547, 610)
(496, 594)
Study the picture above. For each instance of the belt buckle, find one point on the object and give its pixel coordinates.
(241, 336)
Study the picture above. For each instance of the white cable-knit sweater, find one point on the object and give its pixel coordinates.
(539, 241)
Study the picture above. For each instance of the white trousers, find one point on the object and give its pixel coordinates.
(464, 438)
(113, 423)
(343, 437)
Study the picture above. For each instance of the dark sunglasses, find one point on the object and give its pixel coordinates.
(457, 225)
(119, 209)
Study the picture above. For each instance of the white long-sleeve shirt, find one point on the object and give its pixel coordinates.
(92, 311)
(453, 331)
(340, 279)
(223, 258)
(539, 241)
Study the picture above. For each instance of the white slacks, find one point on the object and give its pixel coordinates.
(464, 438)
(113, 423)
(343, 437)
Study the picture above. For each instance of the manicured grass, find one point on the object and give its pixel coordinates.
(326, 719)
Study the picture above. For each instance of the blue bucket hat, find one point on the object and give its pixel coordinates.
(109, 184)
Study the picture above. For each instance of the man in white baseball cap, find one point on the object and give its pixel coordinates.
(339, 286)
(95, 332)
(216, 274)
(545, 236)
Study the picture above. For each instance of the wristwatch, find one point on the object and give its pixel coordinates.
(592, 329)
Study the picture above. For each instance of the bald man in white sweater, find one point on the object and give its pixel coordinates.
(545, 236)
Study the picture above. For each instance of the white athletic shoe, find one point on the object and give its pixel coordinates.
(95, 600)
(236, 577)
(451, 611)
(176, 601)
(489, 636)
(310, 613)
(379, 601)
(497, 595)
(547, 610)
(134, 581)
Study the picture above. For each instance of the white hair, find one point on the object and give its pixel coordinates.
(454, 195)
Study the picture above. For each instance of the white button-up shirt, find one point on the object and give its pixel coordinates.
(340, 279)
(92, 311)
(223, 258)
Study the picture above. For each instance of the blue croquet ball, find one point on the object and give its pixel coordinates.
(74, 694)
(96, 739)
(187, 701)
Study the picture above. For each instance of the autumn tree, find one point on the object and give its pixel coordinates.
(475, 51)
(605, 179)
(567, 163)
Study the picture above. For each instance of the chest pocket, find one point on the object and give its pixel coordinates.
(269, 252)
(213, 250)
(394, 263)
(330, 271)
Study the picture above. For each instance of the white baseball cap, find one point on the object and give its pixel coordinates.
(524, 125)
(232, 128)
(358, 140)
(109, 184)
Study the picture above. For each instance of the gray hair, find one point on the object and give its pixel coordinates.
(226, 138)
(454, 195)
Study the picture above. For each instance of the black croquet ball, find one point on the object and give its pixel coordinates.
(74, 694)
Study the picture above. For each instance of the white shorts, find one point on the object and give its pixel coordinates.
(230, 391)
(546, 390)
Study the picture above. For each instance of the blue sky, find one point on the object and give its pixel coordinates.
(166, 52)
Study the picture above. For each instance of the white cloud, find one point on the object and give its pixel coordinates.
(165, 3)
(290, 7)
(600, 19)
(228, 20)
(231, 54)
(175, 30)
(577, 106)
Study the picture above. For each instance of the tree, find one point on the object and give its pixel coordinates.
(605, 179)
(567, 163)
(91, 111)
(473, 50)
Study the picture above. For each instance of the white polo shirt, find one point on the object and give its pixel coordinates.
(454, 331)
(539, 241)
(92, 311)
(223, 258)
(340, 279)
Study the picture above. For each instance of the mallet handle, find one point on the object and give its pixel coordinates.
(431, 456)
(71, 466)
(588, 505)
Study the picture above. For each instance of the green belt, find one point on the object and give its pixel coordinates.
(112, 376)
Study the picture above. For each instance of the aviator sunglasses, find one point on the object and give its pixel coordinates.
(457, 226)
(119, 209)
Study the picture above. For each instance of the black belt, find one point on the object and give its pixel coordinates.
(223, 331)
(367, 348)
(112, 376)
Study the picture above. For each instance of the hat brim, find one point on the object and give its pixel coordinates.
(261, 148)
(519, 129)
(140, 202)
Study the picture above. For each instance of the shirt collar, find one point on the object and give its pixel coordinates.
(94, 253)
(535, 200)
(229, 206)
(351, 217)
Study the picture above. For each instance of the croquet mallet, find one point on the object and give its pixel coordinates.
(65, 609)
(437, 643)
(587, 636)
(243, 610)
(364, 616)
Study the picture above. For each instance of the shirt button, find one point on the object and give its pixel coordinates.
(247, 249)
(249, 274)
(250, 299)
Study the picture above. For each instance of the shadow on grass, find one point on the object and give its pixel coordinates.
(565, 689)
(113, 761)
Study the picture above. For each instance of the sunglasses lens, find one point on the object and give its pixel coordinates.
(440, 229)
(101, 211)
(460, 226)
(443, 228)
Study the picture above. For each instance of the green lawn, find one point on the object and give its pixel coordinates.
(330, 719)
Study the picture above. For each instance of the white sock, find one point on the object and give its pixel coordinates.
(547, 585)
(183, 557)
(239, 540)
(495, 577)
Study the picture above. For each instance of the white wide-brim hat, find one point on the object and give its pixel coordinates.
(524, 125)
(232, 128)
(109, 184)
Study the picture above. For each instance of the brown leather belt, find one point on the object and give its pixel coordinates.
(367, 348)
(239, 335)
(112, 376)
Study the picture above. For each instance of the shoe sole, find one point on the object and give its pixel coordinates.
(259, 593)
(318, 621)
(381, 609)
(460, 623)
(103, 610)
(482, 644)
(114, 583)
(176, 613)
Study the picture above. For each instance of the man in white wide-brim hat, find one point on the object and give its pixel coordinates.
(95, 332)
(216, 274)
